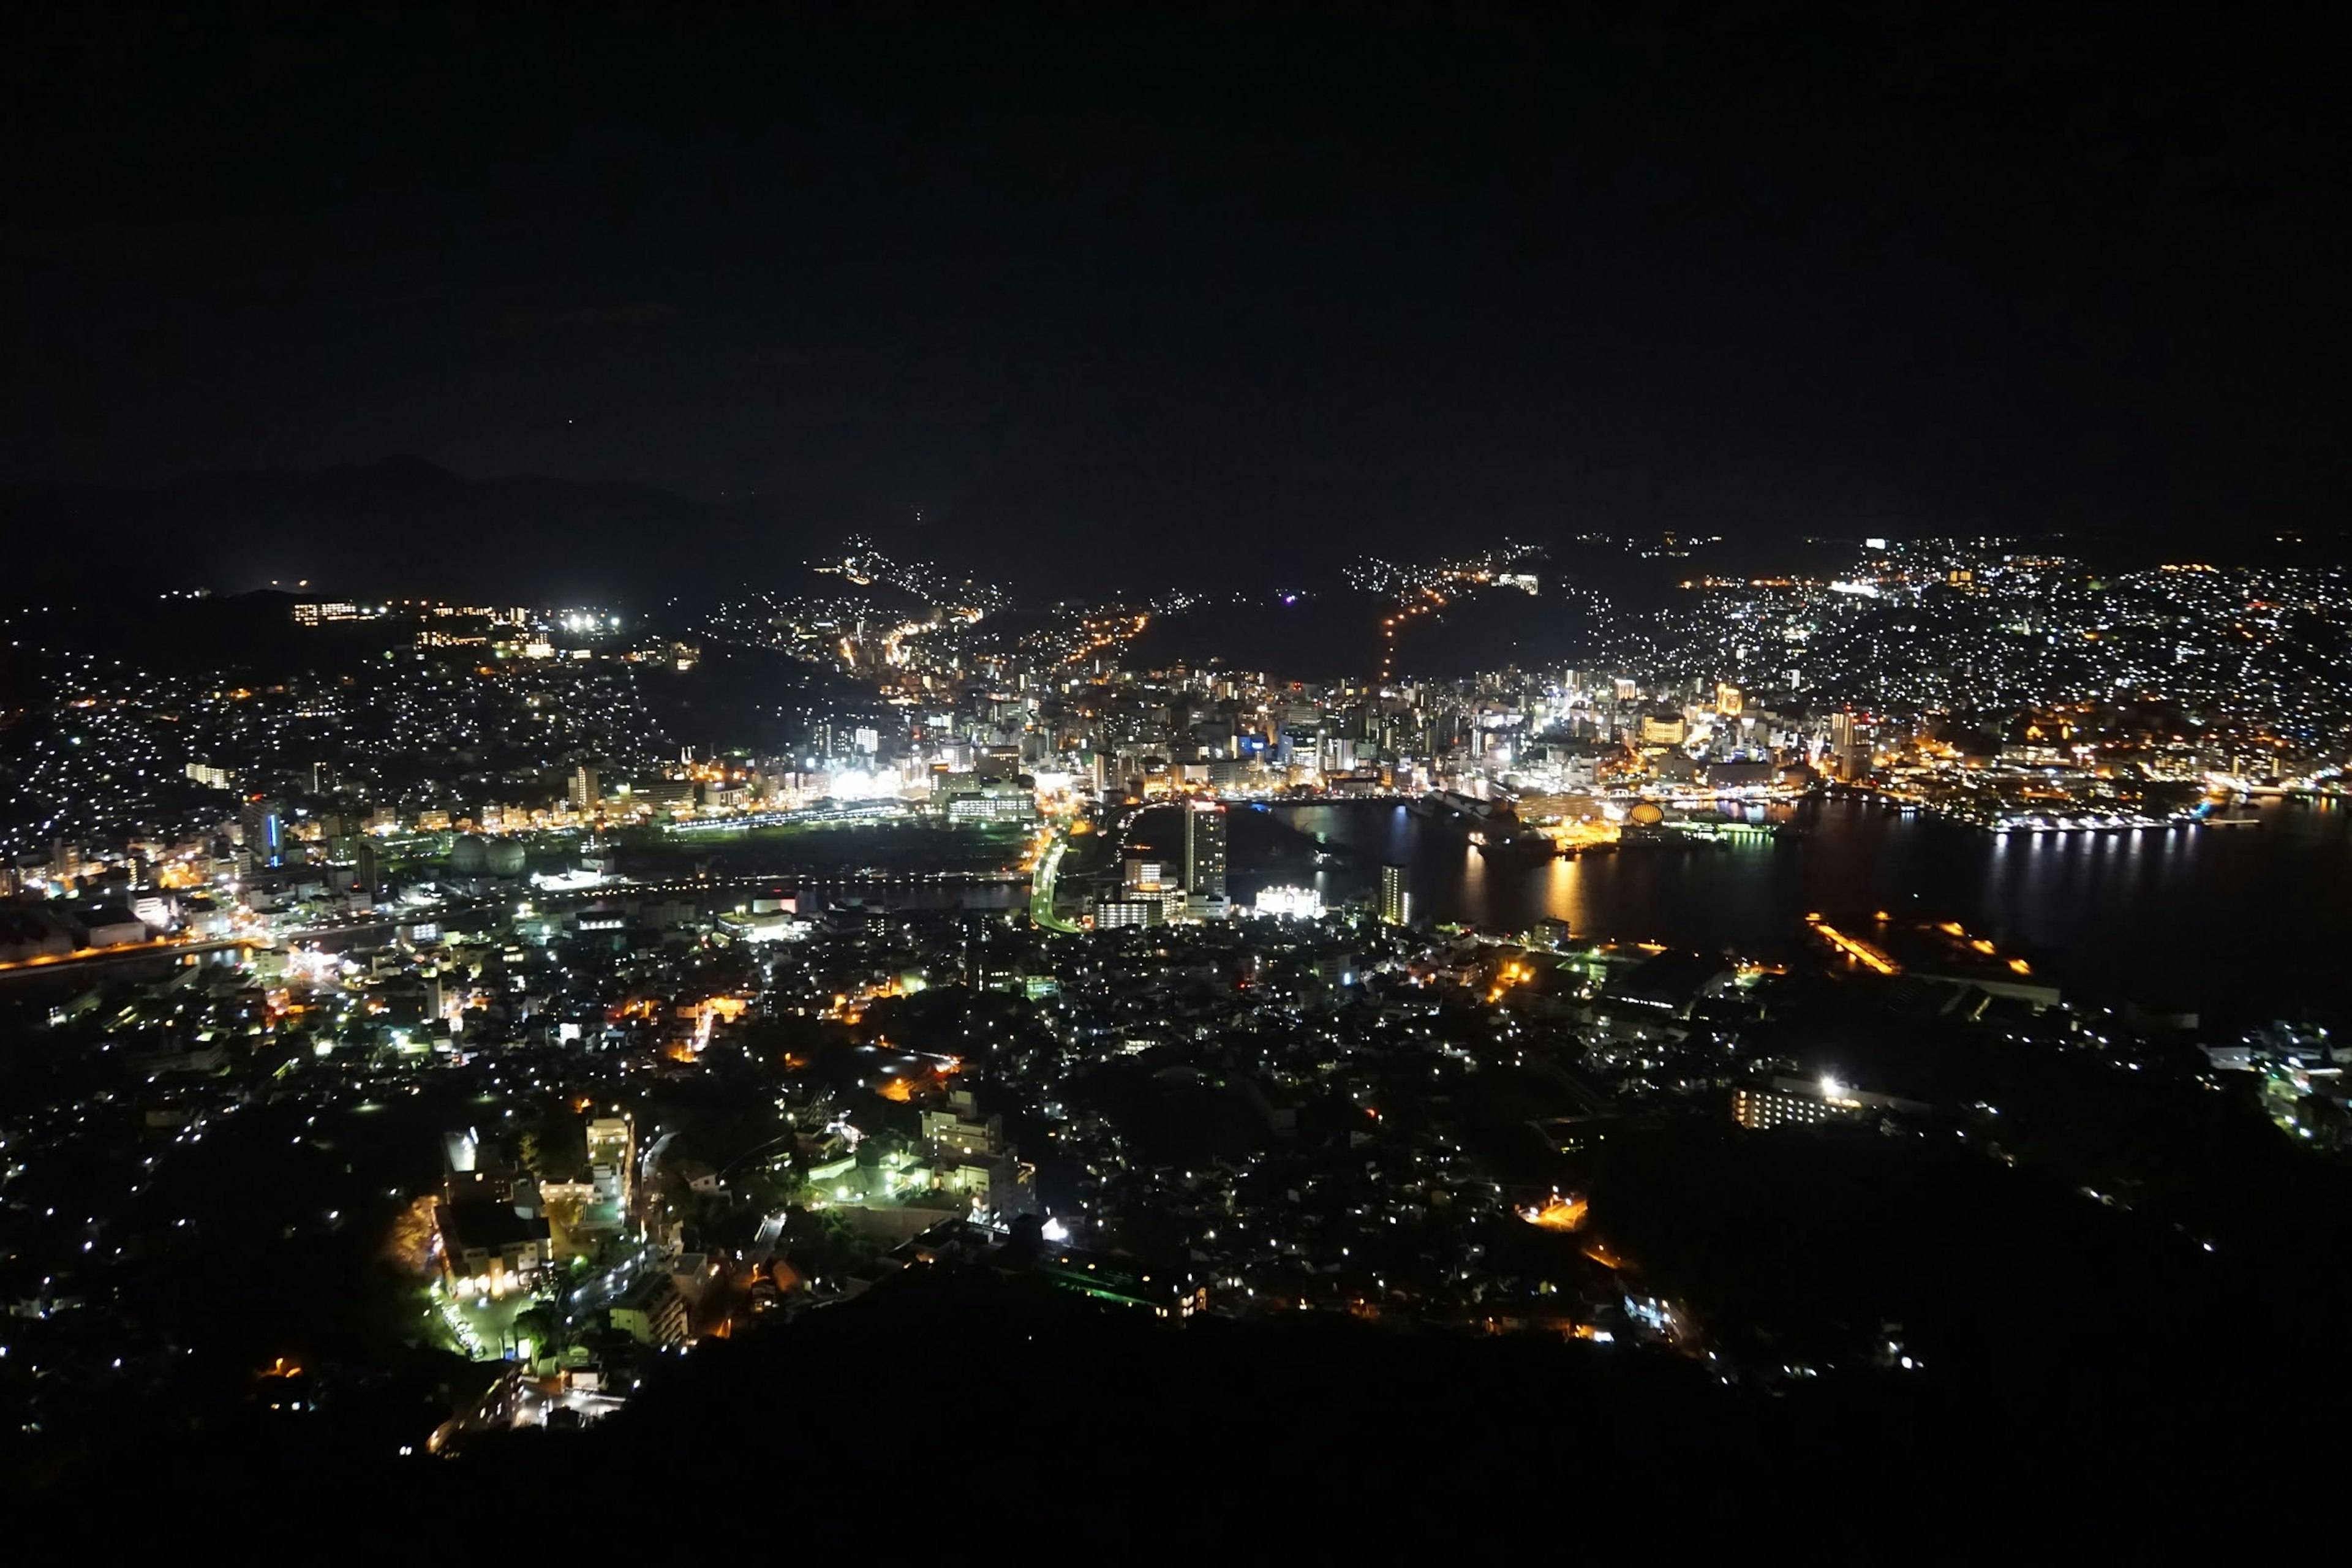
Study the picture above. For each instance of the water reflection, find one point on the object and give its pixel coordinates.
(2208, 914)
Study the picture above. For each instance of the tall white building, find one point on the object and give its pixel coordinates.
(1204, 850)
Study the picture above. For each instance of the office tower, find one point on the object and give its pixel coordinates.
(264, 822)
(583, 795)
(1396, 896)
(1204, 850)
(1849, 752)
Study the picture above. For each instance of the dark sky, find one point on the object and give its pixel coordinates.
(1884, 267)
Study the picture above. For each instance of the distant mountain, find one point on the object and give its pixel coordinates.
(1208, 525)
(1120, 528)
(403, 527)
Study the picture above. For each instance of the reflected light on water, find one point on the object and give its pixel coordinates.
(2110, 911)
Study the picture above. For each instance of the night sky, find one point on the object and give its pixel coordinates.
(1695, 269)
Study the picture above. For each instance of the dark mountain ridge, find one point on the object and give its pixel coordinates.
(407, 528)
(403, 527)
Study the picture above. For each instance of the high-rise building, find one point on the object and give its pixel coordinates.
(1204, 850)
(583, 795)
(1396, 896)
(264, 823)
(1849, 753)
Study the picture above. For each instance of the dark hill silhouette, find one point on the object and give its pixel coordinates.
(1329, 636)
(1203, 526)
(404, 526)
(958, 1395)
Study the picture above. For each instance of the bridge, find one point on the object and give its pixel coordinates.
(160, 947)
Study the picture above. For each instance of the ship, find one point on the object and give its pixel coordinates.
(1451, 805)
(1493, 828)
(1523, 846)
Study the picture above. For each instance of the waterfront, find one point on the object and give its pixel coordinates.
(2202, 917)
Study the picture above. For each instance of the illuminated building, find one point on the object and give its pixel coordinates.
(312, 613)
(993, 803)
(610, 1148)
(1204, 850)
(653, 1311)
(489, 1247)
(961, 1130)
(1146, 883)
(1756, 1109)
(1396, 896)
(1849, 756)
(264, 825)
(1801, 1102)
(584, 794)
(1290, 903)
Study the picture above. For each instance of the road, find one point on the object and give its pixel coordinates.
(592, 1299)
(1041, 887)
(763, 1246)
(162, 947)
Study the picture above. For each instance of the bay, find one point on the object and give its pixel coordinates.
(2247, 921)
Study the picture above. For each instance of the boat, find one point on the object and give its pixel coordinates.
(1468, 811)
(1516, 847)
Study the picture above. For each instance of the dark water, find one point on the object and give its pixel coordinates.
(2230, 919)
